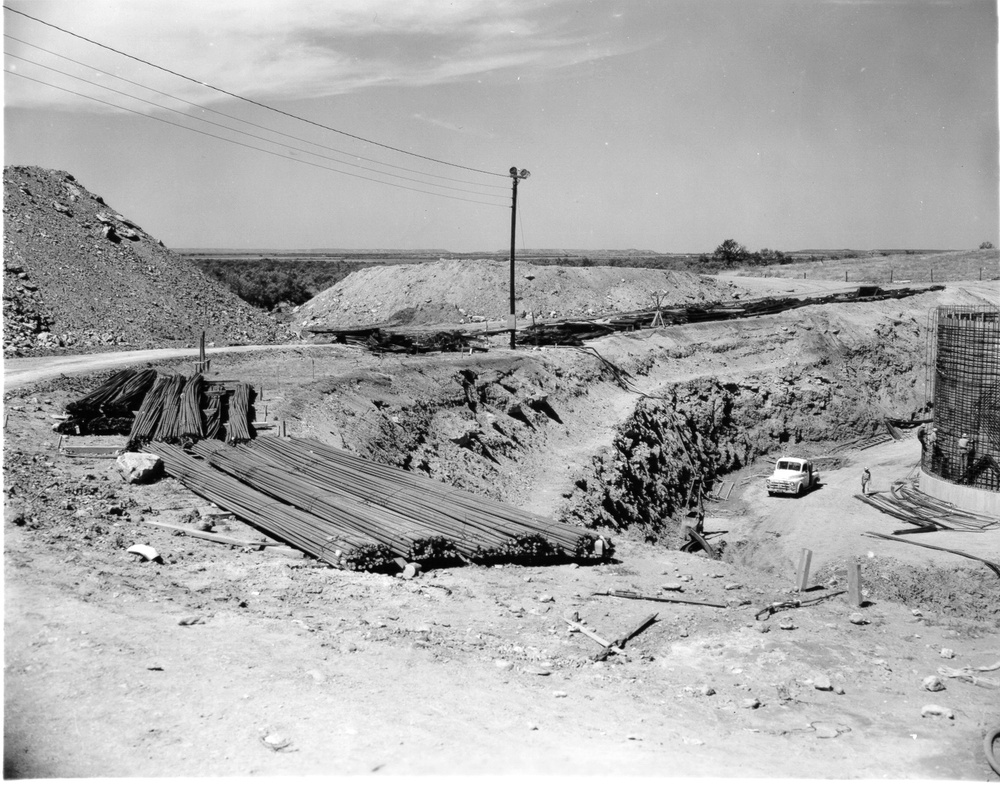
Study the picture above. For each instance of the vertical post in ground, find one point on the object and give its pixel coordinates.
(854, 584)
(511, 320)
(802, 578)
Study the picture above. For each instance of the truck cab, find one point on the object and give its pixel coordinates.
(792, 476)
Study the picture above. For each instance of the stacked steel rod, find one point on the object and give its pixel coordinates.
(148, 418)
(307, 532)
(108, 408)
(190, 416)
(117, 396)
(929, 514)
(389, 487)
(239, 415)
(359, 501)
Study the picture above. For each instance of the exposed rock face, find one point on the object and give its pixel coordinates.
(77, 274)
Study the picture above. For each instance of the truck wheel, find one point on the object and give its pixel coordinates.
(770, 494)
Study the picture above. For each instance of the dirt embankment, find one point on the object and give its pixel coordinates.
(78, 275)
(692, 432)
(464, 291)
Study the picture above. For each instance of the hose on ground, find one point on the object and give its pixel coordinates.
(992, 736)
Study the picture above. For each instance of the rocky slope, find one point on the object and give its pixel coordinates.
(462, 291)
(79, 274)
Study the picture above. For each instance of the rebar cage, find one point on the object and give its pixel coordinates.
(963, 444)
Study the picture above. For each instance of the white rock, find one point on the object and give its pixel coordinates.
(139, 467)
(933, 684)
(933, 710)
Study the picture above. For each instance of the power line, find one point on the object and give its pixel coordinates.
(249, 100)
(241, 120)
(236, 131)
(250, 147)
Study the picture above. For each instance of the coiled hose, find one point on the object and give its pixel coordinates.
(992, 736)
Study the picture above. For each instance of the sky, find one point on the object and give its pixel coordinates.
(664, 125)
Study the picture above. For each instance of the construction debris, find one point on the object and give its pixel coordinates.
(995, 567)
(632, 595)
(767, 612)
(618, 644)
(379, 340)
(905, 502)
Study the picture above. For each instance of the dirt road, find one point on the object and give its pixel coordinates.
(18, 372)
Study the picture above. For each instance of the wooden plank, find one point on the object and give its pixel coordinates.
(619, 643)
(576, 626)
(213, 537)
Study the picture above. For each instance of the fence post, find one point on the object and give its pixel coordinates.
(854, 584)
(802, 580)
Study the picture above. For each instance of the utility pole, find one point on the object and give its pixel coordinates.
(515, 177)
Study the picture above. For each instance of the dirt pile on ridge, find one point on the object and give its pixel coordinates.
(455, 291)
(79, 274)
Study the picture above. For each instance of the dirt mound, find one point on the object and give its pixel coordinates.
(478, 290)
(78, 274)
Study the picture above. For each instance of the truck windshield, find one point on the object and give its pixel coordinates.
(785, 465)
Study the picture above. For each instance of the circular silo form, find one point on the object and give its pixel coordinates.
(961, 458)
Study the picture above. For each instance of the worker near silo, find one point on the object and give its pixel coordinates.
(965, 449)
(866, 480)
(922, 437)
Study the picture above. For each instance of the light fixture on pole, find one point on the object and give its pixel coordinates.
(516, 175)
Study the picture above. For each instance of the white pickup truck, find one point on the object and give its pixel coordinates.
(792, 476)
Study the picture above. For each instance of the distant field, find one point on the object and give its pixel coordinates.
(917, 267)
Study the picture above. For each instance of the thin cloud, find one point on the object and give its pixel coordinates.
(309, 48)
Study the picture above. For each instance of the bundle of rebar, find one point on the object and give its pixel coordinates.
(304, 531)
(168, 428)
(495, 530)
(908, 504)
(190, 418)
(148, 417)
(391, 512)
(212, 414)
(380, 524)
(238, 430)
(119, 395)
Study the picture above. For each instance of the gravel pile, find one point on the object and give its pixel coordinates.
(476, 291)
(78, 274)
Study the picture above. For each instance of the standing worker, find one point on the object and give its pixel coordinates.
(965, 455)
(931, 447)
(866, 479)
